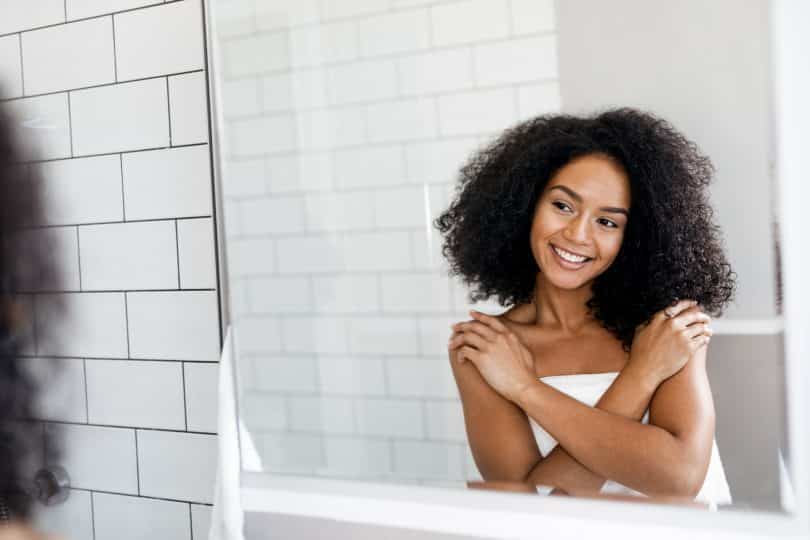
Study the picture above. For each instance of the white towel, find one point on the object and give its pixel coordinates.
(227, 517)
(588, 388)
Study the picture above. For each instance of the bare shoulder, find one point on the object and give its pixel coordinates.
(521, 313)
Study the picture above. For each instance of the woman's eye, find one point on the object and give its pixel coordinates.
(608, 223)
(561, 205)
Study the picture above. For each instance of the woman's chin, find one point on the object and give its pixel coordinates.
(567, 282)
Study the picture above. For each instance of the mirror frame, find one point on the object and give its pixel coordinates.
(506, 515)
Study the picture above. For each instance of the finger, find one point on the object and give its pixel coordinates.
(700, 341)
(479, 328)
(693, 316)
(470, 354)
(489, 320)
(699, 329)
(675, 309)
(471, 339)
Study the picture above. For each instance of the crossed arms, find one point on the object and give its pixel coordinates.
(668, 456)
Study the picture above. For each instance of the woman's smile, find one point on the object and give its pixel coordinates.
(569, 260)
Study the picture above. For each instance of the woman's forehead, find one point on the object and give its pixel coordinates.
(596, 179)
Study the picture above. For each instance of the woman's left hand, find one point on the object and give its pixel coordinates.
(503, 361)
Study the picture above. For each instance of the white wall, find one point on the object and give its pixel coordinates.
(704, 66)
(345, 125)
(113, 97)
(708, 73)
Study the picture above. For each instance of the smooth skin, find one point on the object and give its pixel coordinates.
(497, 362)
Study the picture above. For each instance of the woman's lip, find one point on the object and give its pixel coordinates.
(567, 264)
(571, 252)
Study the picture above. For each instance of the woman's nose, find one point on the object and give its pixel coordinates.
(577, 230)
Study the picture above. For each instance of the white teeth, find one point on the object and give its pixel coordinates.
(570, 257)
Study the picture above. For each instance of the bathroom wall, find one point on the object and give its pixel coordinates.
(345, 124)
(716, 88)
(112, 97)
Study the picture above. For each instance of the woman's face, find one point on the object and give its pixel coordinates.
(579, 221)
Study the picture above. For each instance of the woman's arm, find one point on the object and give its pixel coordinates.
(498, 431)
(628, 396)
(499, 434)
(669, 456)
(660, 349)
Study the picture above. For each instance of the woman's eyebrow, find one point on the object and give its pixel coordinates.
(578, 198)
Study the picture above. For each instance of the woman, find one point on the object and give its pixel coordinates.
(26, 264)
(599, 231)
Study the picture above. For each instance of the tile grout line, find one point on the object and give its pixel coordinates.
(157, 3)
(190, 522)
(70, 126)
(92, 509)
(102, 291)
(108, 359)
(149, 497)
(185, 396)
(22, 70)
(177, 253)
(145, 220)
(102, 85)
(137, 463)
(113, 153)
(123, 188)
(115, 49)
(169, 109)
(132, 428)
(86, 398)
(126, 322)
(79, 255)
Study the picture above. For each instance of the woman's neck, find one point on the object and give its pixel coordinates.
(563, 310)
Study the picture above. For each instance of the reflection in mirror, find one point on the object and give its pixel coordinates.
(349, 128)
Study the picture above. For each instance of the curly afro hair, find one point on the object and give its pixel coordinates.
(672, 249)
(27, 263)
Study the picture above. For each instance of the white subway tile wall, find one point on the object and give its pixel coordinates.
(118, 517)
(201, 380)
(103, 119)
(176, 325)
(68, 56)
(140, 255)
(177, 466)
(174, 45)
(200, 521)
(82, 190)
(66, 399)
(10, 66)
(188, 102)
(111, 101)
(132, 393)
(74, 515)
(347, 123)
(15, 18)
(99, 458)
(45, 127)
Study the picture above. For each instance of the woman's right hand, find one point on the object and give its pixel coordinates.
(664, 345)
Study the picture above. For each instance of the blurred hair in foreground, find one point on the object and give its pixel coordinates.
(27, 265)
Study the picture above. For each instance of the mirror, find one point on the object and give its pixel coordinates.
(344, 126)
